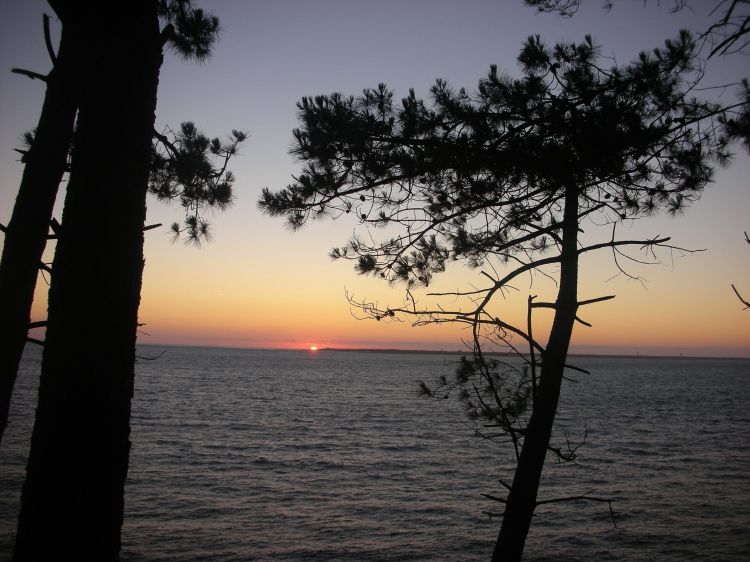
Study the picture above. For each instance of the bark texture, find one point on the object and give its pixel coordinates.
(522, 497)
(72, 500)
(26, 233)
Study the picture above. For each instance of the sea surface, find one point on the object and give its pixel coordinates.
(332, 455)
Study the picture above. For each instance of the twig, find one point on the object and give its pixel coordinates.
(29, 73)
(494, 498)
(151, 358)
(582, 497)
(739, 296)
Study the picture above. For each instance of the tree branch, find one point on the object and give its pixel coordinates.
(578, 319)
(532, 354)
(494, 498)
(739, 296)
(29, 73)
(169, 145)
(48, 40)
(585, 497)
(166, 34)
(154, 358)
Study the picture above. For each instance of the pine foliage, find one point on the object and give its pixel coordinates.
(467, 175)
(190, 31)
(192, 169)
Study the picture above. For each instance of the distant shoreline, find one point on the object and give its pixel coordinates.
(511, 354)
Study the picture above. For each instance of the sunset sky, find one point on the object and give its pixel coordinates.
(260, 285)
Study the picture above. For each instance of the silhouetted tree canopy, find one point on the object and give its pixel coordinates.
(728, 35)
(481, 173)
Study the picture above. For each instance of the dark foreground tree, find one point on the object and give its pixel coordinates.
(505, 178)
(27, 232)
(72, 500)
(190, 32)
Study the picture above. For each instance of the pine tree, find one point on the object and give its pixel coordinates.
(72, 500)
(506, 176)
(27, 232)
(190, 32)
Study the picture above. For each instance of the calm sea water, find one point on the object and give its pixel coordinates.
(292, 455)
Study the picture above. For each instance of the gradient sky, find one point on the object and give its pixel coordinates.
(259, 285)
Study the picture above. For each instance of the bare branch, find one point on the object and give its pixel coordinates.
(578, 319)
(29, 73)
(739, 296)
(598, 299)
(168, 144)
(154, 358)
(736, 292)
(532, 355)
(582, 497)
(48, 40)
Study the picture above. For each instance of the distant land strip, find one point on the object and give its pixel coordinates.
(512, 354)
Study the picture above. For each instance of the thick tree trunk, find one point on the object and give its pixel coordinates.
(522, 497)
(72, 501)
(26, 234)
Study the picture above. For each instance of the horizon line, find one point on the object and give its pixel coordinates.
(634, 355)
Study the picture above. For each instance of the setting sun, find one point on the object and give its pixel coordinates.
(313, 348)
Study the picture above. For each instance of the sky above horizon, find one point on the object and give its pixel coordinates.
(260, 285)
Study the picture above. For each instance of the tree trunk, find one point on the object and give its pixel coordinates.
(26, 234)
(72, 501)
(522, 497)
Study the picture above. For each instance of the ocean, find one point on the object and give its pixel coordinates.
(332, 455)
